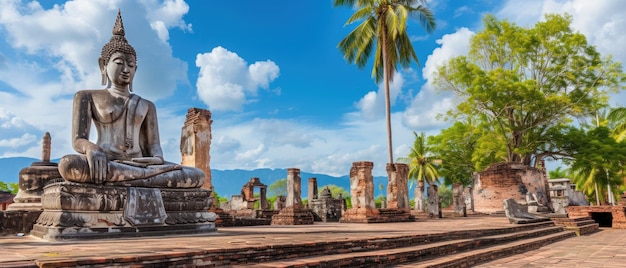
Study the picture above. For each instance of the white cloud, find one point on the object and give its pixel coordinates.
(18, 142)
(226, 82)
(166, 15)
(372, 105)
(424, 110)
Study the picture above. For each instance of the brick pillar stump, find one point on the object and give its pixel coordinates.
(293, 213)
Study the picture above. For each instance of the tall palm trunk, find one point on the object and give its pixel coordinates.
(386, 76)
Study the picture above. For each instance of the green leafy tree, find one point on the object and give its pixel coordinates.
(278, 187)
(336, 190)
(597, 160)
(526, 84)
(422, 167)
(559, 173)
(383, 27)
(445, 196)
(10, 187)
(456, 146)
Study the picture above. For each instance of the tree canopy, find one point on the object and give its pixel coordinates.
(525, 85)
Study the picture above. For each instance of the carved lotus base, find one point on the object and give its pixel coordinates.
(82, 211)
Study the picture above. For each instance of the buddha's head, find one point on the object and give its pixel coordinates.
(117, 48)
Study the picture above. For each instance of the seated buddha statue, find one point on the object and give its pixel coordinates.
(127, 151)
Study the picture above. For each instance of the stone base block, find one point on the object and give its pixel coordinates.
(293, 216)
(85, 211)
(360, 215)
(69, 196)
(14, 222)
(377, 215)
(69, 225)
(87, 233)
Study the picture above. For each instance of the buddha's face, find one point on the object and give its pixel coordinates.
(121, 69)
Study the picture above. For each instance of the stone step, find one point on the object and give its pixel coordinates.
(385, 257)
(585, 229)
(253, 255)
(482, 255)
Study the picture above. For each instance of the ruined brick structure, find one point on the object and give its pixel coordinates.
(294, 212)
(195, 142)
(508, 180)
(398, 187)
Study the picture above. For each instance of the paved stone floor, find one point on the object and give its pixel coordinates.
(606, 248)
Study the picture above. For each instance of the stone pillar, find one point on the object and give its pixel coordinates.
(469, 199)
(458, 199)
(293, 213)
(362, 194)
(195, 142)
(419, 196)
(312, 192)
(433, 201)
(294, 188)
(397, 186)
(264, 204)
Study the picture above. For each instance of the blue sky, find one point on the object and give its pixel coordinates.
(280, 92)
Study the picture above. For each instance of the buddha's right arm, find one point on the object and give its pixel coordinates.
(81, 123)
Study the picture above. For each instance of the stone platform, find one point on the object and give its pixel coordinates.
(236, 243)
(86, 211)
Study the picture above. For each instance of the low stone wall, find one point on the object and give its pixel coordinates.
(617, 212)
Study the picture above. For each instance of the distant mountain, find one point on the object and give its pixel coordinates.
(225, 182)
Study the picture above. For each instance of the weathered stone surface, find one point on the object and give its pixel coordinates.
(518, 214)
(326, 208)
(294, 188)
(458, 199)
(508, 180)
(293, 216)
(469, 198)
(294, 212)
(33, 178)
(144, 206)
(434, 207)
(195, 142)
(312, 189)
(419, 196)
(362, 194)
(14, 222)
(397, 186)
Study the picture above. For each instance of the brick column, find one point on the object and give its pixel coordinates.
(195, 142)
(397, 186)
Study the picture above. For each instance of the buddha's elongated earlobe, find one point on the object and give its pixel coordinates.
(103, 70)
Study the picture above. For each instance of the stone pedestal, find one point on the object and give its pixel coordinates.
(86, 211)
(293, 213)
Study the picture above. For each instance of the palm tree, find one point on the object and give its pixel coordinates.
(617, 117)
(385, 26)
(422, 167)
